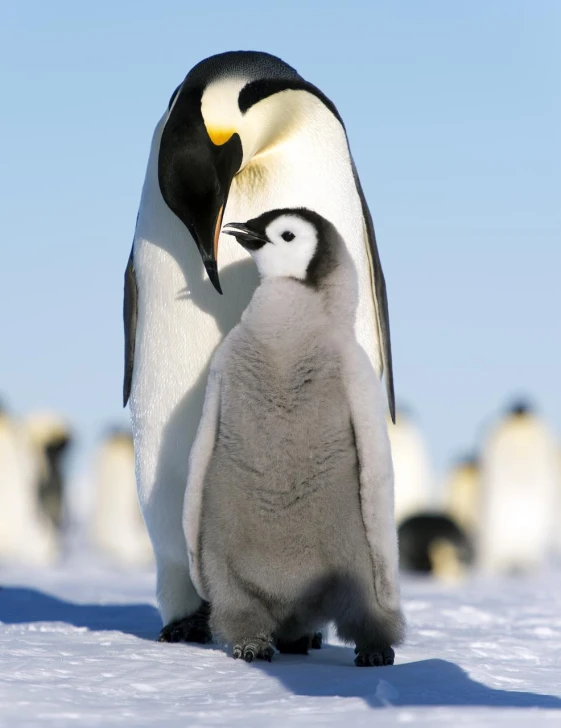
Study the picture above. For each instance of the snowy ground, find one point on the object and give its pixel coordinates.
(77, 648)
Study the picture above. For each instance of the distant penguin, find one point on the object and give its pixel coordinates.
(289, 515)
(432, 543)
(117, 527)
(26, 533)
(556, 541)
(243, 133)
(462, 494)
(52, 438)
(519, 483)
(412, 467)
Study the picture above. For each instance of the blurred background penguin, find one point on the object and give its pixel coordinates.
(462, 494)
(51, 438)
(519, 493)
(413, 472)
(497, 510)
(27, 533)
(117, 528)
(430, 541)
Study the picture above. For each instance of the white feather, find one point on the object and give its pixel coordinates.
(282, 258)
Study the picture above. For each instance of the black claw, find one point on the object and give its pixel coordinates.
(389, 656)
(250, 651)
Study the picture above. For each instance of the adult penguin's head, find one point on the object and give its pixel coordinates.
(214, 129)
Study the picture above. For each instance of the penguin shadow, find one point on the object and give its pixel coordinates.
(238, 282)
(331, 672)
(22, 605)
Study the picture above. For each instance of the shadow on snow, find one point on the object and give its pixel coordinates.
(19, 605)
(432, 682)
(329, 672)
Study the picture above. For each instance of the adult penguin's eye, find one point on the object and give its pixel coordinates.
(288, 236)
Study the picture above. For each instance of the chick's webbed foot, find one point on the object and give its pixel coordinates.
(374, 656)
(260, 647)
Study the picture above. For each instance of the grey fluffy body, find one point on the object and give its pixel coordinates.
(282, 542)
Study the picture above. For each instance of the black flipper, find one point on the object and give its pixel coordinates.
(381, 298)
(130, 313)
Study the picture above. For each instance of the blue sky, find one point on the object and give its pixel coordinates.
(454, 116)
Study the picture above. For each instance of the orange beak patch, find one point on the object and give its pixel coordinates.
(217, 229)
(219, 136)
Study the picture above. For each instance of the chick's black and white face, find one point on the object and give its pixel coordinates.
(291, 245)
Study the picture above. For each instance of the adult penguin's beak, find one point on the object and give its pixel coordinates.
(195, 174)
(205, 229)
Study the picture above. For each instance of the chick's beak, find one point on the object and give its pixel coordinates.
(246, 237)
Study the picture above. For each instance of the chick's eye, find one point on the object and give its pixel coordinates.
(288, 236)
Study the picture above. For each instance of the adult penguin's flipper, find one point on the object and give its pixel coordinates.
(380, 297)
(130, 315)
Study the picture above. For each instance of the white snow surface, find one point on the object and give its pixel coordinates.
(77, 648)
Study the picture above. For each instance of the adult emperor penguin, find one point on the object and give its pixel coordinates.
(243, 133)
(520, 479)
(462, 494)
(289, 513)
(26, 533)
(412, 468)
(51, 437)
(117, 527)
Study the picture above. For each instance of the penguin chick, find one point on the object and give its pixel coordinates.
(289, 511)
(432, 543)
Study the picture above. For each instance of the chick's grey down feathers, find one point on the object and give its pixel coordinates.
(287, 526)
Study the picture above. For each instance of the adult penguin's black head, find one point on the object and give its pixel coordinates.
(206, 139)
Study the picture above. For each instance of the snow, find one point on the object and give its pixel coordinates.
(77, 648)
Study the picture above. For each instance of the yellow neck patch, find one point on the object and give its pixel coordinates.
(218, 135)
